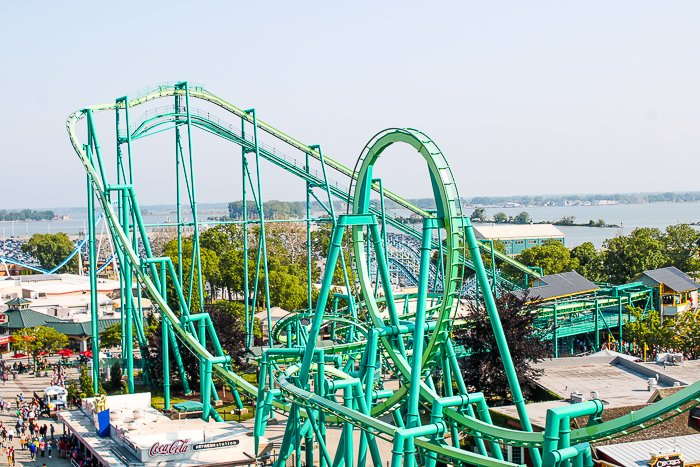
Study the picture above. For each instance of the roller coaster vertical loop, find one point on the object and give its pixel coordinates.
(306, 382)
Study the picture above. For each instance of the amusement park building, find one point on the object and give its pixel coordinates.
(518, 237)
(674, 291)
(20, 316)
(127, 430)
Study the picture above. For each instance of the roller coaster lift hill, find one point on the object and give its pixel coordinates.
(406, 335)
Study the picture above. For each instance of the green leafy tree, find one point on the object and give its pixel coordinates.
(50, 250)
(273, 209)
(479, 215)
(500, 218)
(72, 389)
(566, 220)
(647, 329)
(85, 381)
(682, 244)
(522, 218)
(112, 336)
(320, 244)
(483, 369)
(486, 256)
(210, 270)
(590, 262)
(228, 320)
(686, 335)
(627, 256)
(115, 376)
(553, 257)
(38, 339)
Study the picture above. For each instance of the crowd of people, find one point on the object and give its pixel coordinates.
(7, 371)
(58, 378)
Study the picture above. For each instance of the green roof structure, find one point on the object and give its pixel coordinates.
(27, 318)
(18, 303)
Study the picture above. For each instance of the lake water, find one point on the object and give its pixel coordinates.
(76, 226)
(628, 216)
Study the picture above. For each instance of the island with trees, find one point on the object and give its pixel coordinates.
(26, 215)
(479, 215)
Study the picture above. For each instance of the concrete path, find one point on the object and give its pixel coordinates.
(27, 384)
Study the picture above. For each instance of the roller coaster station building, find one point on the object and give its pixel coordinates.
(519, 237)
(126, 430)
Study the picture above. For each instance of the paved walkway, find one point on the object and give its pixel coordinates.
(27, 384)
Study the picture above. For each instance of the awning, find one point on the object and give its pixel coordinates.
(188, 406)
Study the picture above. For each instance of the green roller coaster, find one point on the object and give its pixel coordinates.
(341, 384)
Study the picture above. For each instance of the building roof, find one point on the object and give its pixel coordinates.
(276, 314)
(65, 284)
(663, 393)
(40, 277)
(558, 285)
(28, 318)
(84, 328)
(519, 231)
(637, 454)
(18, 301)
(673, 278)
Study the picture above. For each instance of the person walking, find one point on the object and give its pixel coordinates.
(53, 429)
(32, 450)
(11, 457)
(42, 447)
(49, 446)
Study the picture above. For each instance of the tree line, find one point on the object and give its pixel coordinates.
(223, 260)
(26, 215)
(273, 209)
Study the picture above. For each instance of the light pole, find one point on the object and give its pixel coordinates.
(13, 229)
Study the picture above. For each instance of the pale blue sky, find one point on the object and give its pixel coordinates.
(522, 97)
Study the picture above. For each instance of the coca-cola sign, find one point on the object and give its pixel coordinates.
(179, 446)
(670, 460)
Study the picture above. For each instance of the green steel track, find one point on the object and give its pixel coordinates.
(307, 382)
(163, 118)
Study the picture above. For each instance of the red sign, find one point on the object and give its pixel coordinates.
(3, 318)
(179, 446)
(5, 339)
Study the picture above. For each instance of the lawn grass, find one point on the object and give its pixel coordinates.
(158, 401)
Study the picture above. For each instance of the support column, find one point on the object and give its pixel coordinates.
(597, 326)
(261, 211)
(619, 324)
(249, 320)
(490, 303)
(308, 238)
(554, 333)
(166, 365)
(412, 418)
(93, 286)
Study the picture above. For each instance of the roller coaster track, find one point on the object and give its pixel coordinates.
(166, 117)
(65, 261)
(300, 380)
